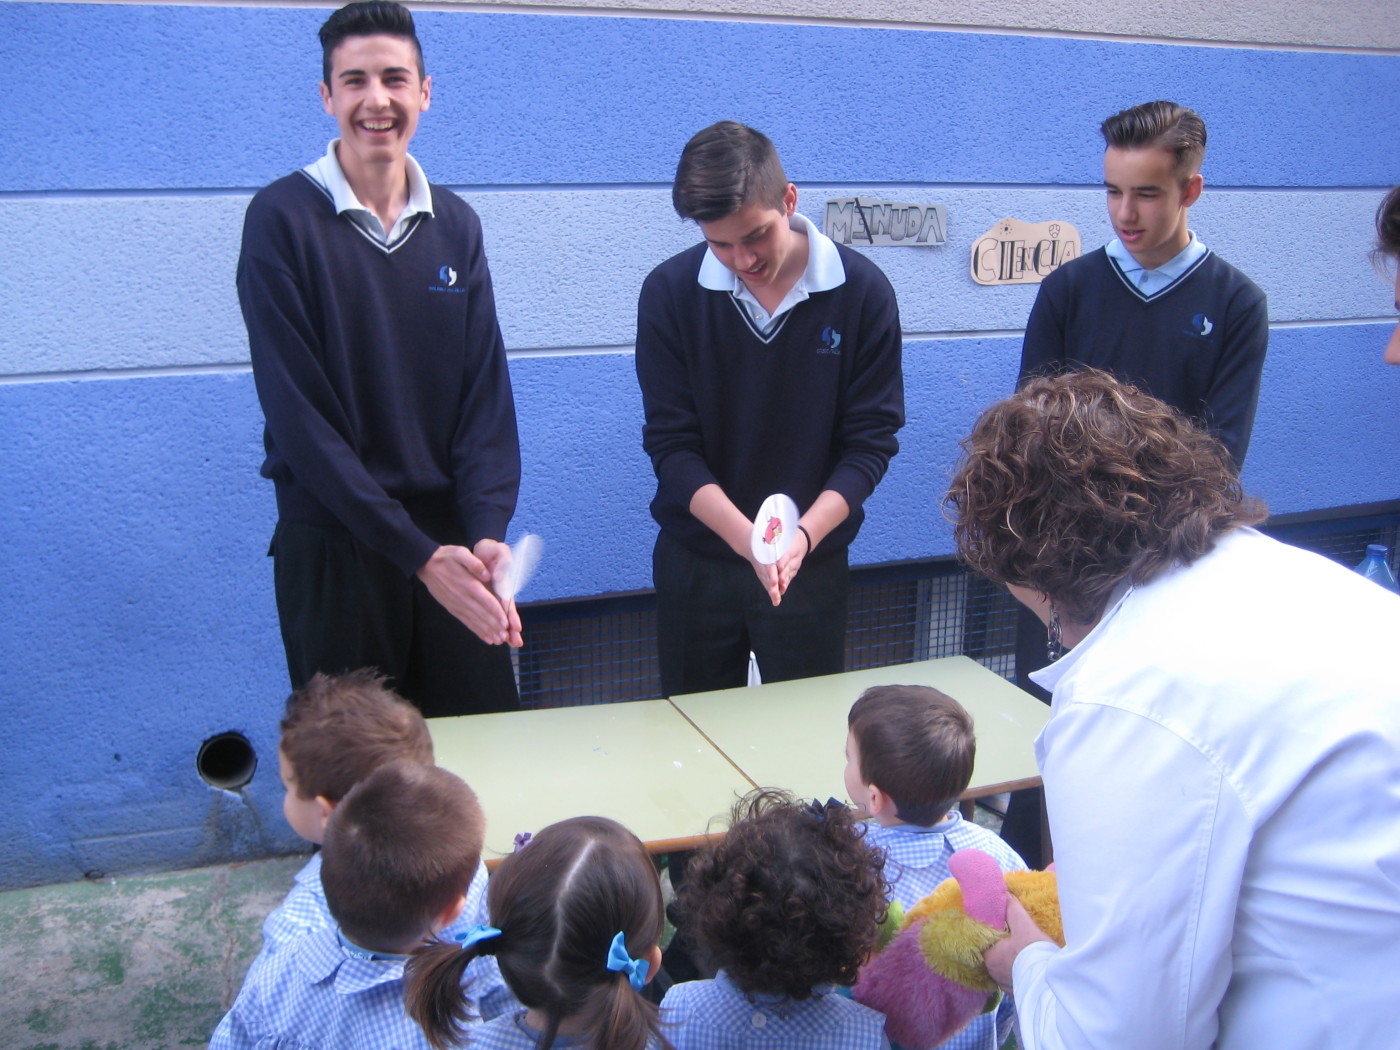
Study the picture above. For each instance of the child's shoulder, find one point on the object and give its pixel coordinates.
(966, 834)
(304, 908)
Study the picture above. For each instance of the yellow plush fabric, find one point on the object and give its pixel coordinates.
(952, 944)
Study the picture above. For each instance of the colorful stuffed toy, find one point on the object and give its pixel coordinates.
(930, 980)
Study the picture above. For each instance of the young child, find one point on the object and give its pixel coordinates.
(338, 730)
(576, 919)
(788, 905)
(909, 753)
(397, 851)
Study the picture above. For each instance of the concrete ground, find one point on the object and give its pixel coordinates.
(145, 962)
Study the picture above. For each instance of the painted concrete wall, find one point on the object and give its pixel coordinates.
(1307, 22)
(138, 617)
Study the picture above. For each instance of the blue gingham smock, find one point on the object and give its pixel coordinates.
(304, 908)
(716, 1015)
(314, 995)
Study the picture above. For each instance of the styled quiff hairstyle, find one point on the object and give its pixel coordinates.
(1388, 226)
(338, 729)
(1078, 481)
(726, 167)
(367, 18)
(558, 901)
(916, 745)
(400, 848)
(1160, 125)
(790, 898)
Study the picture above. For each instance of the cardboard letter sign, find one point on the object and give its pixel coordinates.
(1016, 252)
(872, 223)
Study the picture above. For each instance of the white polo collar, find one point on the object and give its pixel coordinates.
(824, 272)
(327, 173)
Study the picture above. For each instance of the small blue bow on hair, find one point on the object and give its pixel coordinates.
(620, 962)
(522, 839)
(473, 936)
(818, 809)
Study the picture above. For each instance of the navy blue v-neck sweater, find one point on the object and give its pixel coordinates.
(381, 372)
(1198, 344)
(814, 405)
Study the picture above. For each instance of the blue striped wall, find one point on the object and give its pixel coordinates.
(138, 617)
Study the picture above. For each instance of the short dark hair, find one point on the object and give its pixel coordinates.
(1388, 225)
(367, 18)
(1078, 481)
(725, 167)
(399, 849)
(915, 744)
(1160, 125)
(559, 902)
(338, 729)
(790, 898)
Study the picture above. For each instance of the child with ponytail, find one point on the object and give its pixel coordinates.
(576, 920)
(788, 906)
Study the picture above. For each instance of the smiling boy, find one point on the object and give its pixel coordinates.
(769, 361)
(378, 360)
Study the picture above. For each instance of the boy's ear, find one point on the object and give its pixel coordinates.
(1194, 185)
(880, 805)
(324, 808)
(450, 914)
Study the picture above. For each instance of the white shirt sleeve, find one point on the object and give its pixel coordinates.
(1150, 841)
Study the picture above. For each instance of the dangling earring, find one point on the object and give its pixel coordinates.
(1054, 648)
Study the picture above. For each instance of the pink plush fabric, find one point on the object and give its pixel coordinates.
(983, 886)
(922, 1008)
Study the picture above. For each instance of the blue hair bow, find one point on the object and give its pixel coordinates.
(620, 962)
(816, 808)
(473, 936)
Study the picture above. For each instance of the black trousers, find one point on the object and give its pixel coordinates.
(711, 614)
(1021, 828)
(343, 606)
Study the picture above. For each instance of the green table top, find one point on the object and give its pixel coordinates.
(793, 734)
(640, 763)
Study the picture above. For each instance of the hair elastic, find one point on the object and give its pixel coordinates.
(620, 962)
(475, 935)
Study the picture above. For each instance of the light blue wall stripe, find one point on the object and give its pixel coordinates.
(147, 282)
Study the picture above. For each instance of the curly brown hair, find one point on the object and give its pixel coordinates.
(1079, 481)
(1388, 226)
(788, 899)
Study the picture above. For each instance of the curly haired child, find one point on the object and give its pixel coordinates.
(788, 904)
(576, 920)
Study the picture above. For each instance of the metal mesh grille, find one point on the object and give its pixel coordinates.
(601, 650)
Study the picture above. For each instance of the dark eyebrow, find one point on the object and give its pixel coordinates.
(1114, 186)
(360, 72)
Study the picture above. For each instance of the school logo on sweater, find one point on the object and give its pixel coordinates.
(831, 341)
(447, 277)
(1201, 325)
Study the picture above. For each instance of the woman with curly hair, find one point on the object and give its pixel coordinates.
(1222, 759)
(788, 905)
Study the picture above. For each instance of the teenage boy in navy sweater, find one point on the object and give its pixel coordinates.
(391, 435)
(769, 361)
(1155, 307)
